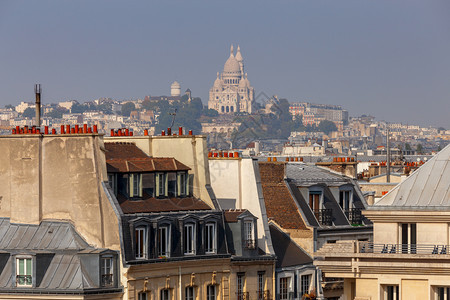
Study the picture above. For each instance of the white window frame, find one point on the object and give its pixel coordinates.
(189, 239)
(164, 247)
(240, 286)
(107, 268)
(445, 290)
(305, 284)
(210, 238)
(26, 271)
(344, 205)
(140, 238)
(135, 185)
(282, 289)
(261, 285)
(395, 292)
(249, 234)
(112, 181)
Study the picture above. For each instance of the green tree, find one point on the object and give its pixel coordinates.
(408, 147)
(9, 106)
(78, 108)
(327, 126)
(127, 108)
(57, 113)
(29, 113)
(419, 149)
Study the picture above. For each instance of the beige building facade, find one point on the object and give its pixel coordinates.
(409, 257)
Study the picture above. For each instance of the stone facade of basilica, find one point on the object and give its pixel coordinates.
(231, 91)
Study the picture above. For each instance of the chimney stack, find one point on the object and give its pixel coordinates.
(37, 91)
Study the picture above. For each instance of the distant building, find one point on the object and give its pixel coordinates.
(175, 89)
(232, 91)
(23, 106)
(313, 113)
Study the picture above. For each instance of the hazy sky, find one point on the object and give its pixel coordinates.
(388, 58)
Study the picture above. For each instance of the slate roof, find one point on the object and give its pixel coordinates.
(427, 187)
(150, 204)
(287, 251)
(58, 251)
(303, 174)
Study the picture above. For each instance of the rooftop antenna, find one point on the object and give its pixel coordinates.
(173, 114)
(37, 91)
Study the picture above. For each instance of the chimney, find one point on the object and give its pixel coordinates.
(37, 91)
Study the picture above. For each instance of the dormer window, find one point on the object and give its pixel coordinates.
(249, 235)
(135, 185)
(164, 241)
(189, 239)
(161, 185)
(140, 242)
(182, 184)
(24, 271)
(107, 278)
(210, 238)
(345, 199)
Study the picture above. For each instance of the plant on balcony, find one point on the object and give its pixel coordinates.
(310, 296)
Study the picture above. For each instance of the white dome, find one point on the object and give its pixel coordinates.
(239, 55)
(232, 65)
(175, 84)
(218, 82)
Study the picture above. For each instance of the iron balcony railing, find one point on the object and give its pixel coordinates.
(107, 279)
(263, 295)
(354, 216)
(324, 216)
(25, 280)
(249, 244)
(365, 247)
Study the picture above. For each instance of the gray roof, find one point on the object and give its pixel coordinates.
(64, 261)
(428, 186)
(303, 174)
(47, 235)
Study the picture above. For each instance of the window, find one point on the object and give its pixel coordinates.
(189, 239)
(210, 238)
(112, 181)
(314, 201)
(165, 294)
(211, 292)
(442, 293)
(345, 200)
(141, 242)
(24, 271)
(135, 185)
(391, 292)
(284, 287)
(163, 241)
(107, 271)
(161, 185)
(171, 184)
(408, 236)
(260, 285)
(189, 293)
(142, 296)
(240, 286)
(148, 184)
(182, 189)
(305, 281)
(249, 241)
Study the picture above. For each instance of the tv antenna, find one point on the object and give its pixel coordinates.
(173, 114)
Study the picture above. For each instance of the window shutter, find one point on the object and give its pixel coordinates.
(157, 185)
(140, 185)
(131, 180)
(178, 184)
(166, 188)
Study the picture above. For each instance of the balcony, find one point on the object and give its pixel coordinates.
(107, 279)
(249, 244)
(365, 247)
(324, 216)
(354, 216)
(24, 280)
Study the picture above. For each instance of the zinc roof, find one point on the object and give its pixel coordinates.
(428, 186)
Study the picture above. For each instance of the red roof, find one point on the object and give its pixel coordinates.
(127, 157)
